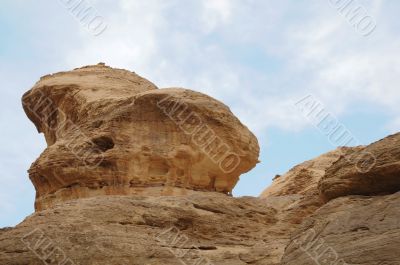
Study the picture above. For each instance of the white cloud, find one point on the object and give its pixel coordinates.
(216, 12)
(258, 57)
(342, 67)
(171, 44)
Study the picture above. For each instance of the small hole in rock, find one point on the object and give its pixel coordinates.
(104, 143)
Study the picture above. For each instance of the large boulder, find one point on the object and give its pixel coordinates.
(112, 132)
(369, 170)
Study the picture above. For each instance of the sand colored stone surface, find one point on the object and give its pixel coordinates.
(369, 170)
(300, 185)
(110, 131)
(141, 230)
(138, 175)
(349, 230)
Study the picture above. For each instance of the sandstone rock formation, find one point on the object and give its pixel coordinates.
(349, 230)
(303, 179)
(353, 229)
(300, 184)
(138, 175)
(208, 228)
(110, 131)
(370, 170)
(295, 195)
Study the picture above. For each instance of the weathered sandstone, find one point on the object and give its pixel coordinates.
(301, 184)
(349, 230)
(138, 175)
(352, 229)
(303, 179)
(295, 195)
(205, 227)
(370, 170)
(111, 132)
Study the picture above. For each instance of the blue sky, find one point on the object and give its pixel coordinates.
(258, 57)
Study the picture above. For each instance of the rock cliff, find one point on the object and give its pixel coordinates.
(208, 228)
(370, 170)
(138, 175)
(349, 230)
(359, 224)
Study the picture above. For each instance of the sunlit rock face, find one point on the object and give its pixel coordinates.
(112, 132)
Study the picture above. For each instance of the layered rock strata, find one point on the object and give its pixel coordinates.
(138, 175)
(369, 170)
(349, 230)
(295, 195)
(202, 228)
(112, 132)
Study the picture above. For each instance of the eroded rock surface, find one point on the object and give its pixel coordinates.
(370, 170)
(295, 195)
(109, 131)
(135, 230)
(304, 178)
(349, 230)
(352, 229)
(134, 174)
(300, 185)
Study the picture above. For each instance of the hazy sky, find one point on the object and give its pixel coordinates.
(258, 57)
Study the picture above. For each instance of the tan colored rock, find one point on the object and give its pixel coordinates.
(295, 196)
(370, 170)
(211, 227)
(303, 179)
(204, 227)
(301, 182)
(111, 132)
(349, 230)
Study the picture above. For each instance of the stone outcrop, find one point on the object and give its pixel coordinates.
(369, 170)
(204, 227)
(303, 179)
(138, 175)
(112, 132)
(295, 195)
(349, 230)
(300, 185)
